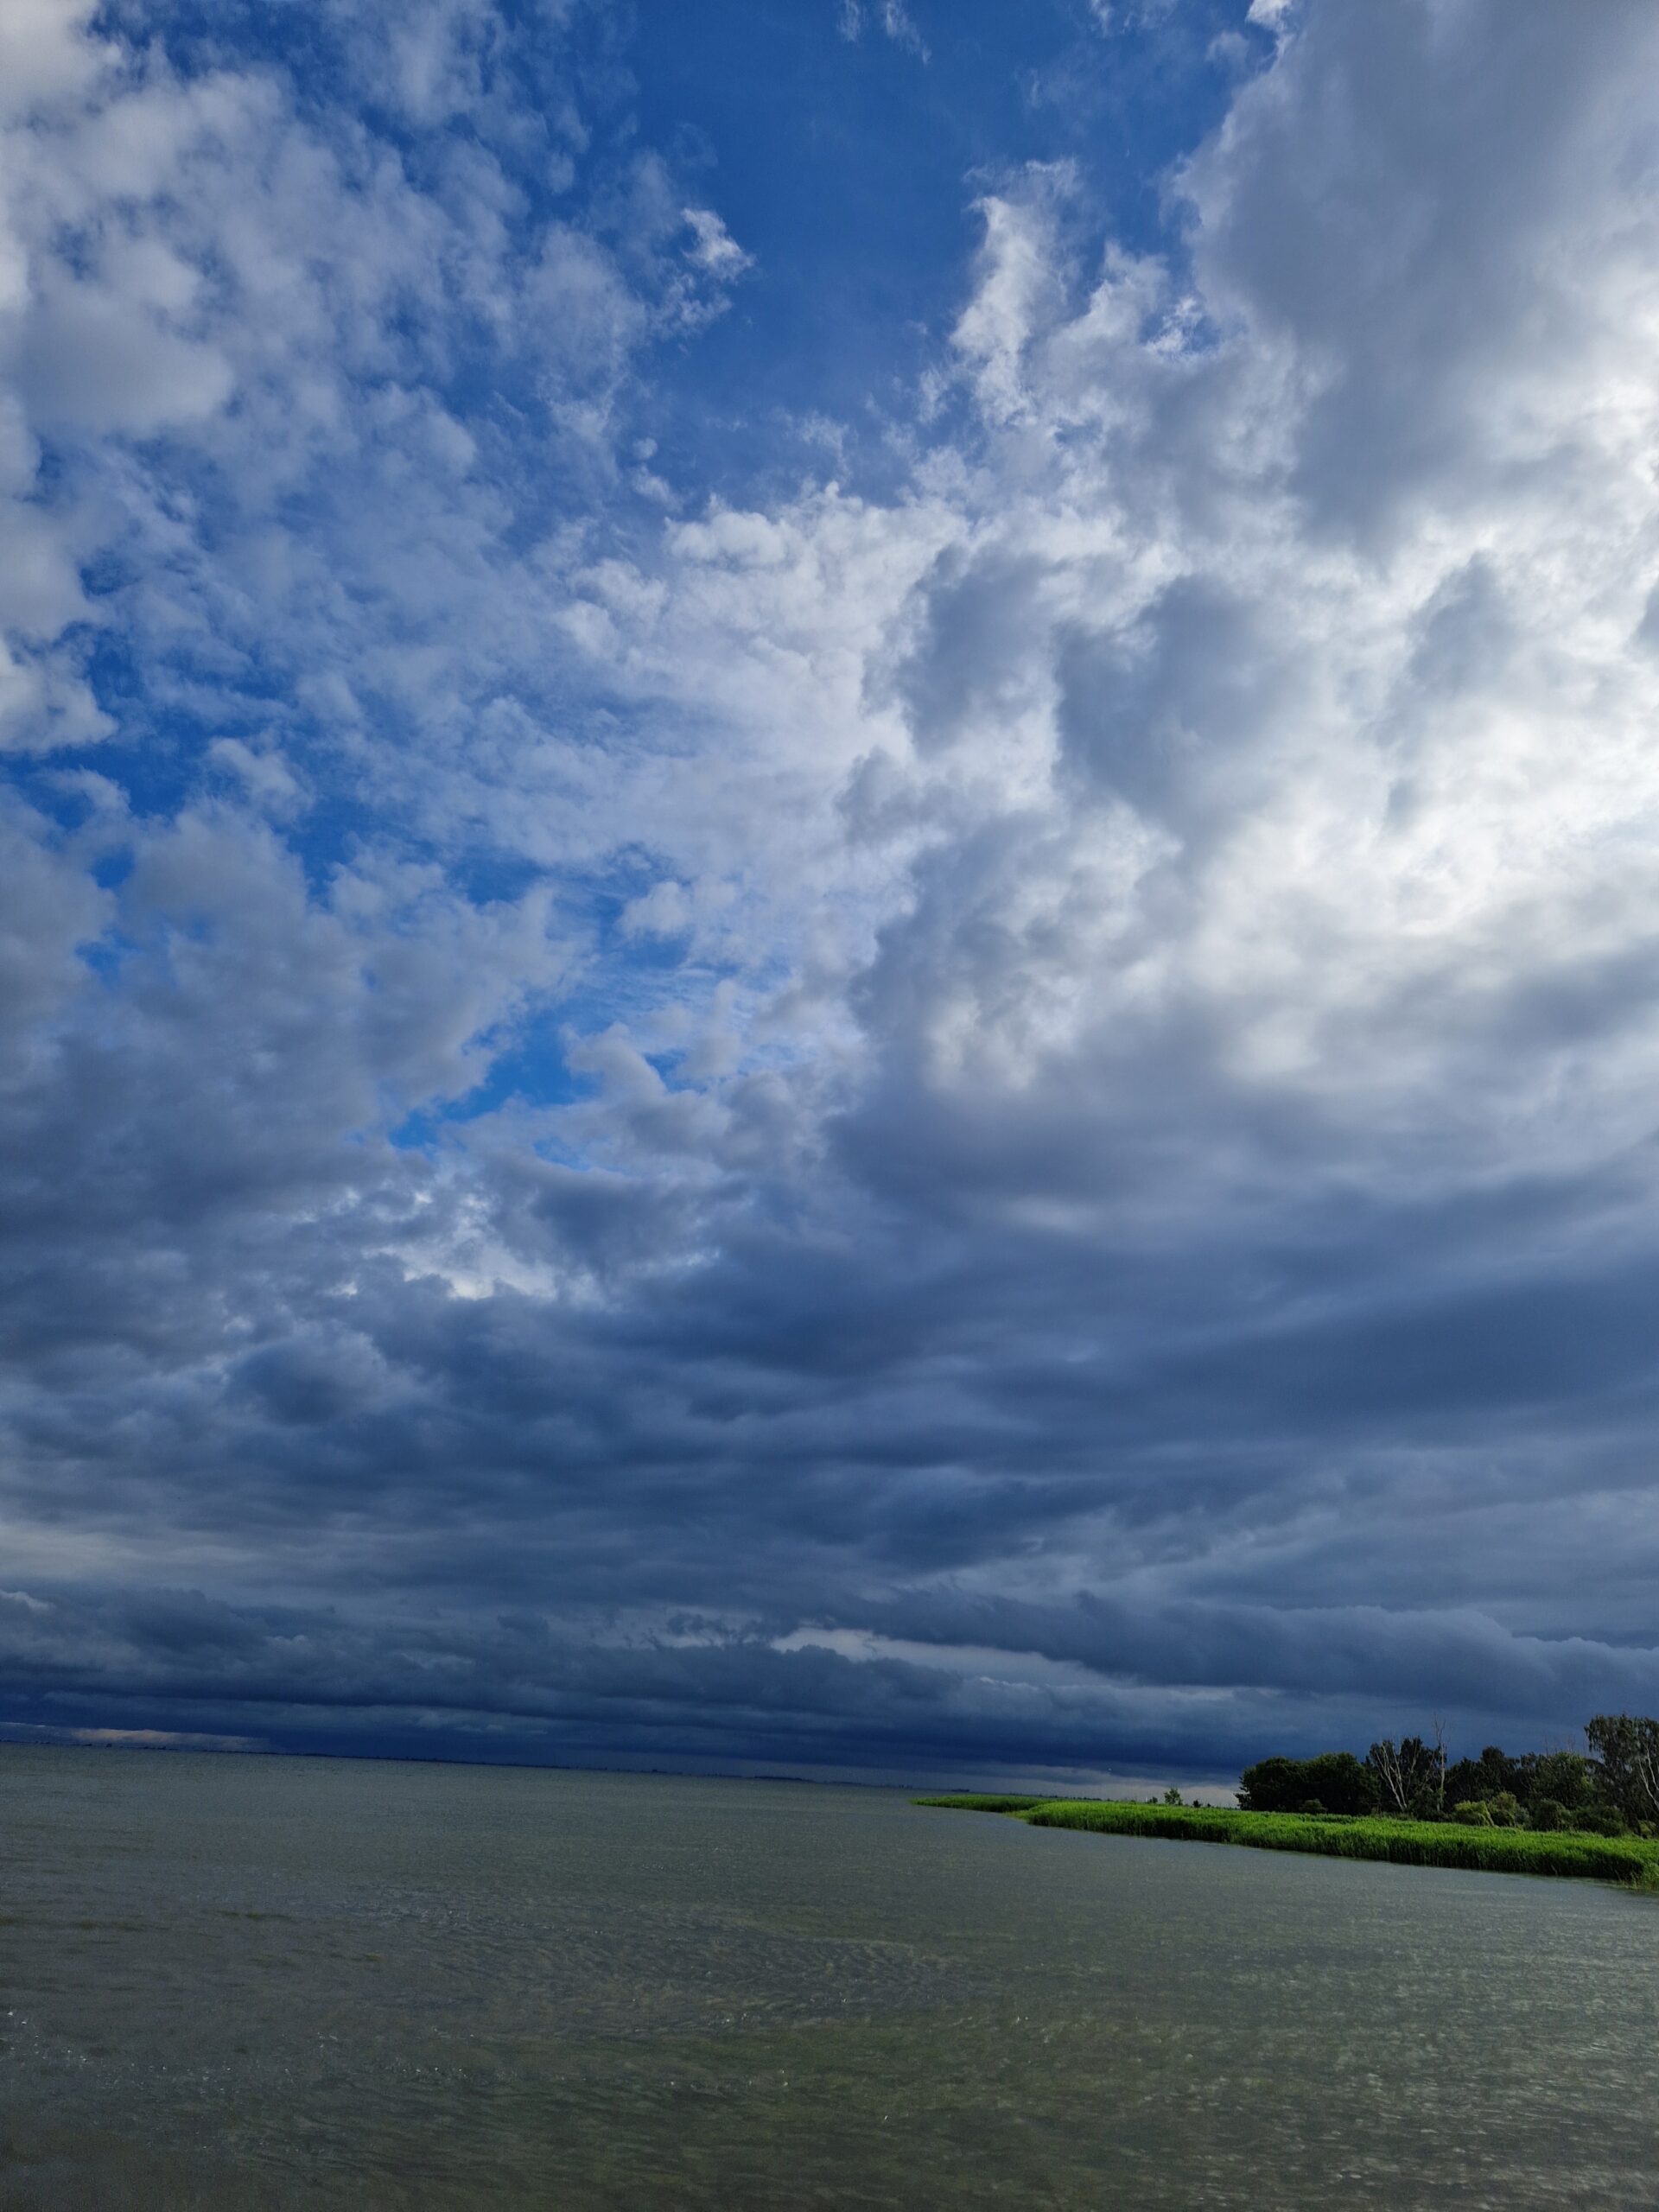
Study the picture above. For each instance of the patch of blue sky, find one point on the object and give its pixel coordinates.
(531, 1067)
(531, 1072)
(848, 168)
(106, 957)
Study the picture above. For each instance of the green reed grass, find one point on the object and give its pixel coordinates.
(1633, 1861)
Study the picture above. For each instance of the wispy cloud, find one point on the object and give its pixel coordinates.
(892, 17)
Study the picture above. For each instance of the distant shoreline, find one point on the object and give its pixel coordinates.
(1632, 1861)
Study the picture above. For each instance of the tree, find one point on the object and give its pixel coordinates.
(1410, 1777)
(1562, 1777)
(1489, 1776)
(1337, 1779)
(1440, 1768)
(1271, 1786)
(1626, 1748)
(1565, 1778)
(1340, 1782)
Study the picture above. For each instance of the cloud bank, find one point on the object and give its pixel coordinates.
(988, 1114)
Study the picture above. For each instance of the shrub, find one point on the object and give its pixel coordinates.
(1474, 1813)
(1506, 1810)
(1549, 1815)
(962, 1801)
(1598, 1821)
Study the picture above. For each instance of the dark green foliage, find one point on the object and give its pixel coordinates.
(1626, 1745)
(1565, 1777)
(1411, 1780)
(1542, 1812)
(970, 1803)
(1600, 1820)
(1337, 1779)
(1272, 1785)
(1340, 1782)
(1489, 1776)
(1490, 1849)
(1410, 1777)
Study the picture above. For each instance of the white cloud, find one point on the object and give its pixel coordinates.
(714, 248)
(95, 364)
(664, 911)
(45, 54)
(893, 18)
(266, 778)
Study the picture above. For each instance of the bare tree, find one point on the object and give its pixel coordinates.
(1410, 1775)
(1384, 1761)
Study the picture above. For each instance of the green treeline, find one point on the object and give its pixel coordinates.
(1612, 1790)
(1592, 1812)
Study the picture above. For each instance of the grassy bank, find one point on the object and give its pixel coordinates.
(1633, 1861)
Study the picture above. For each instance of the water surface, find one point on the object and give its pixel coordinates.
(273, 1983)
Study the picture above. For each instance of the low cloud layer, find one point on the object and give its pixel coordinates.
(977, 1098)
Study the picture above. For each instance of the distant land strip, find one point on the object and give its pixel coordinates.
(1632, 1860)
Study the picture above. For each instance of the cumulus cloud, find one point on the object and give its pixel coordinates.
(995, 1123)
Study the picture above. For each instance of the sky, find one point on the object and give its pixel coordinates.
(828, 924)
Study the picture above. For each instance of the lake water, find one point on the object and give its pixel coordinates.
(240, 1982)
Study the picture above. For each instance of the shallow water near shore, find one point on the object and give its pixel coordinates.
(263, 1983)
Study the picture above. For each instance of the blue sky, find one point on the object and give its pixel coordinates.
(826, 913)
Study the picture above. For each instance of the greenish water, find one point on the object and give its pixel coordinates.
(256, 1983)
